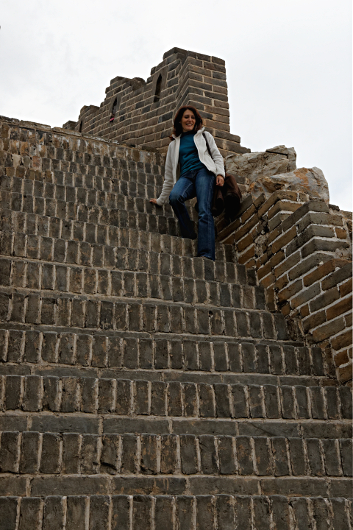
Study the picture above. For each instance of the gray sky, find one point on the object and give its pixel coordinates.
(288, 65)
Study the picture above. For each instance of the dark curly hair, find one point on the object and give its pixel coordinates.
(177, 130)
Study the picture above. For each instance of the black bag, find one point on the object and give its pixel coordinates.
(227, 197)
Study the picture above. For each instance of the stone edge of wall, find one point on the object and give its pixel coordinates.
(301, 250)
(138, 154)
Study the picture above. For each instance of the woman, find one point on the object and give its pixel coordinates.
(199, 172)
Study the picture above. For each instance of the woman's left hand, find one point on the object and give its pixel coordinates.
(219, 180)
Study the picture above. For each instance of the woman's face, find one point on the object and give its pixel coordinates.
(188, 121)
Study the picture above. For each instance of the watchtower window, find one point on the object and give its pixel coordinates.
(114, 109)
(80, 127)
(157, 95)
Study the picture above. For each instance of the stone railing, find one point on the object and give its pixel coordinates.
(301, 250)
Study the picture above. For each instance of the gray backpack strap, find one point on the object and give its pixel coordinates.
(207, 145)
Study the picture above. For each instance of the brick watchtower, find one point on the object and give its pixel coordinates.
(139, 113)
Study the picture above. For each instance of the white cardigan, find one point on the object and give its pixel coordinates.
(214, 164)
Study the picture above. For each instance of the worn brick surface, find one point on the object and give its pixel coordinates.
(141, 387)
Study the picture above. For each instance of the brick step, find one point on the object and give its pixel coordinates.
(42, 278)
(85, 203)
(32, 452)
(135, 210)
(50, 238)
(78, 169)
(80, 188)
(174, 399)
(69, 252)
(243, 508)
(166, 375)
(97, 215)
(104, 352)
(45, 422)
(123, 314)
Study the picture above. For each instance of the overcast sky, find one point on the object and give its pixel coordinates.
(288, 65)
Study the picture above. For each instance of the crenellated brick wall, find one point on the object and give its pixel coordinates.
(139, 113)
(301, 250)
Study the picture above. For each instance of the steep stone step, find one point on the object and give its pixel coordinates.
(116, 351)
(42, 278)
(111, 511)
(47, 422)
(76, 186)
(106, 192)
(70, 167)
(32, 452)
(150, 222)
(123, 397)
(48, 238)
(124, 314)
(84, 203)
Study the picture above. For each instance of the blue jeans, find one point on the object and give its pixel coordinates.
(199, 183)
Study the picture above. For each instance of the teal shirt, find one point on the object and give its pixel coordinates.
(188, 154)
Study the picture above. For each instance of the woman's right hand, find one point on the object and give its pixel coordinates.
(154, 201)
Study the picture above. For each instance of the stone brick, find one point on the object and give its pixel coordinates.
(329, 329)
(9, 452)
(263, 460)
(50, 453)
(243, 513)
(188, 454)
(342, 340)
(222, 400)
(208, 455)
(175, 400)
(53, 513)
(301, 512)
(280, 456)
(8, 507)
(342, 306)
(29, 460)
(51, 397)
(340, 518)
(261, 512)
(120, 512)
(148, 462)
(163, 512)
(76, 513)
(13, 391)
(346, 457)
(226, 455)
(317, 403)
(30, 513)
(71, 453)
(225, 512)
(158, 398)
(185, 511)
(142, 516)
(244, 456)
(297, 456)
(204, 513)
(99, 512)
(321, 512)
(207, 405)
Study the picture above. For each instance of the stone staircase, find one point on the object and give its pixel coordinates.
(141, 387)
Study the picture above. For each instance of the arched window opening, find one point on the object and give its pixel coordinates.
(157, 95)
(80, 127)
(114, 109)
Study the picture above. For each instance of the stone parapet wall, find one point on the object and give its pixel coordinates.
(302, 253)
(140, 113)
